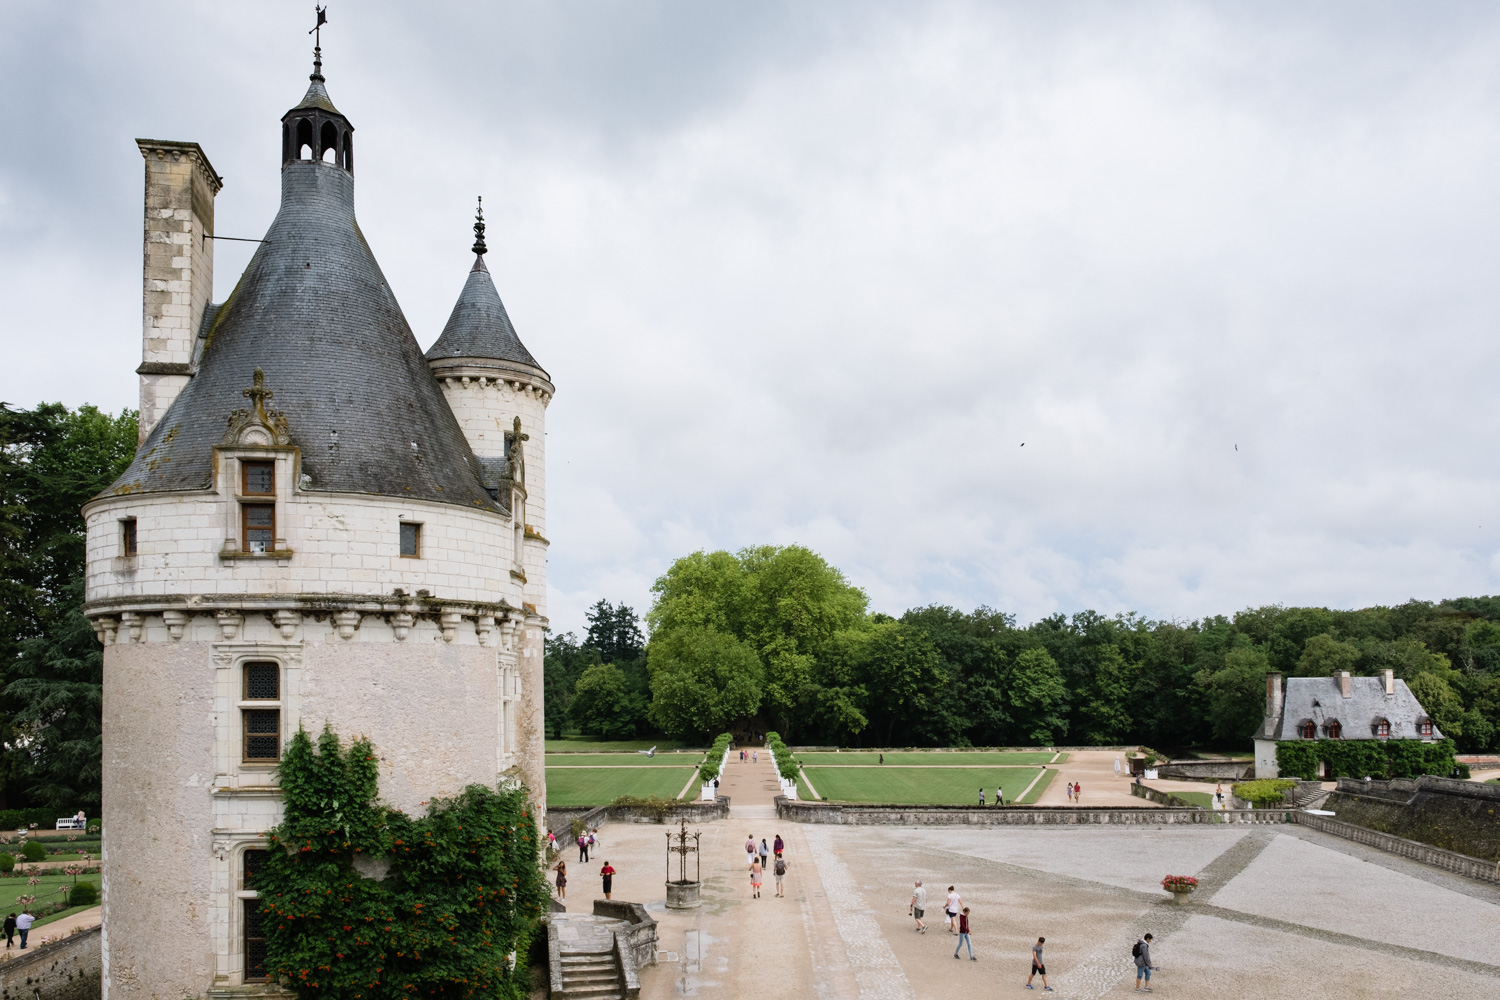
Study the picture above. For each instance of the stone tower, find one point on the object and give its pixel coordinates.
(314, 530)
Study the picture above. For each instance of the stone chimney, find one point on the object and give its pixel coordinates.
(179, 268)
(1346, 686)
(1388, 678)
(1273, 697)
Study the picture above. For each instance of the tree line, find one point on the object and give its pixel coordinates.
(777, 635)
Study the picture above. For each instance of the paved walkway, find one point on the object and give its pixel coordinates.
(1282, 911)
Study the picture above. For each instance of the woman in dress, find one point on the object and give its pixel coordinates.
(755, 878)
(562, 877)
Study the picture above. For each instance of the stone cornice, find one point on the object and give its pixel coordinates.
(168, 149)
(484, 372)
(313, 604)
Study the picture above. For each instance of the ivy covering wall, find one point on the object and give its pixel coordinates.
(460, 894)
(1364, 758)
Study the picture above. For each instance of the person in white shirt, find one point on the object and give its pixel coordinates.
(952, 908)
(23, 924)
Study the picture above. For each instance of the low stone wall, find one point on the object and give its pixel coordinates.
(1161, 798)
(1459, 864)
(559, 821)
(641, 939)
(1207, 770)
(1111, 749)
(898, 815)
(68, 969)
(1456, 816)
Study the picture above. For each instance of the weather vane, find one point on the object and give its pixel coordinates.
(479, 246)
(317, 33)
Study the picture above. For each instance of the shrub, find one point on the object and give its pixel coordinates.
(653, 804)
(709, 769)
(83, 894)
(7, 862)
(1461, 771)
(34, 851)
(1298, 760)
(1265, 792)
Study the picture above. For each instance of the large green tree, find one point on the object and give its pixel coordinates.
(606, 704)
(702, 681)
(52, 461)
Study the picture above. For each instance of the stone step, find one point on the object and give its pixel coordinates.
(592, 976)
(591, 992)
(588, 956)
(602, 963)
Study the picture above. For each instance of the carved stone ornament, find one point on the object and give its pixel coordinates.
(346, 622)
(402, 622)
(133, 622)
(257, 426)
(449, 621)
(229, 623)
(106, 627)
(287, 622)
(484, 626)
(175, 621)
(517, 454)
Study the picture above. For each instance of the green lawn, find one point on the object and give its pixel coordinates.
(1203, 800)
(597, 786)
(1036, 790)
(591, 744)
(48, 892)
(961, 758)
(804, 794)
(919, 785)
(623, 760)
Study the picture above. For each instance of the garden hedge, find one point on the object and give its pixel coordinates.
(1364, 758)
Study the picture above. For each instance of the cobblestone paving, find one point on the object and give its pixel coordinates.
(876, 969)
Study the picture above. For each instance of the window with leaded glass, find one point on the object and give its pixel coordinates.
(259, 526)
(411, 539)
(255, 941)
(252, 862)
(127, 536)
(262, 726)
(258, 479)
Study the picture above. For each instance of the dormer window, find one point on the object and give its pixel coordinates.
(1424, 728)
(258, 527)
(1308, 730)
(258, 479)
(1382, 729)
(1333, 730)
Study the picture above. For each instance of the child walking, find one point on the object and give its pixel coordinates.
(963, 935)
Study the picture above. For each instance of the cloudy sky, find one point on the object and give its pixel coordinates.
(812, 272)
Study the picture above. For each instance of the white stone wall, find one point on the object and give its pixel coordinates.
(1265, 759)
(338, 544)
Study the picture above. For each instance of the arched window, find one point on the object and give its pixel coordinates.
(1333, 730)
(304, 140)
(349, 151)
(1382, 729)
(328, 142)
(1308, 729)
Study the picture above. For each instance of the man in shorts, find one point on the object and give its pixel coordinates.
(1038, 967)
(779, 870)
(917, 905)
(1142, 951)
(951, 907)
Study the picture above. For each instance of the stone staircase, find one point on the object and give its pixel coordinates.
(591, 975)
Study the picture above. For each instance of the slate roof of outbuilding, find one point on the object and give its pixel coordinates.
(1319, 699)
(315, 313)
(479, 329)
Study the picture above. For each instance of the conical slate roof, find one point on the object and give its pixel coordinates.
(479, 331)
(314, 312)
(317, 97)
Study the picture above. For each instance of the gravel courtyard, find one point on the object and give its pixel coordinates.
(1281, 912)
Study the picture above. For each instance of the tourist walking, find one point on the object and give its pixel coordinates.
(756, 874)
(1219, 794)
(608, 874)
(999, 796)
(1070, 791)
(593, 842)
(583, 846)
(23, 923)
(755, 757)
(779, 870)
(1143, 966)
(1117, 766)
(749, 848)
(981, 797)
(882, 759)
(1077, 792)
(963, 935)
(1038, 967)
(562, 877)
(765, 852)
(918, 905)
(778, 845)
(951, 907)
(10, 929)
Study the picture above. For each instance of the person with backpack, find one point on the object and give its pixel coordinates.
(1038, 967)
(1142, 955)
(780, 872)
(963, 935)
(583, 846)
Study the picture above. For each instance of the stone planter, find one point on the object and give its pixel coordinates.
(684, 895)
(1180, 896)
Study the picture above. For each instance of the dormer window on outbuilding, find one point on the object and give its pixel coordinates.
(1382, 729)
(1333, 730)
(1424, 727)
(1308, 729)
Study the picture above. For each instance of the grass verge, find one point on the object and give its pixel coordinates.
(596, 786)
(919, 785)
(592, 744)
(1203, 800)
(623, 760)
(956, 758)
(1036, 790)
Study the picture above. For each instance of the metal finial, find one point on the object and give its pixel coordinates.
(479, 246)
(317, 32)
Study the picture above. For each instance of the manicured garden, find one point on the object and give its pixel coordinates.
(622, 760)
(954, 758)
(580, 743)
(918, 785)
(597, 786)
(50, 890)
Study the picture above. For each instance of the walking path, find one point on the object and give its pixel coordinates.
(1274, 903)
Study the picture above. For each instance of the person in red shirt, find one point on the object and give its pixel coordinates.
(608, 874)
(963, 935)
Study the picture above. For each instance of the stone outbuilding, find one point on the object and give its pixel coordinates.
(1340, 707)
(321, 526)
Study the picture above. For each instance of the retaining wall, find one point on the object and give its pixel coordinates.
(1207, 770)
(898, 815)
(559, 821)
(1460, 864)
(640, 938)
(68, 969)
(1456, 816)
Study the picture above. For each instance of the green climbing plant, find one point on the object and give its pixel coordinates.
(438, 905)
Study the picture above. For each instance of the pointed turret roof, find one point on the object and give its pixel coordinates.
(479, 332)
(314, 312)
